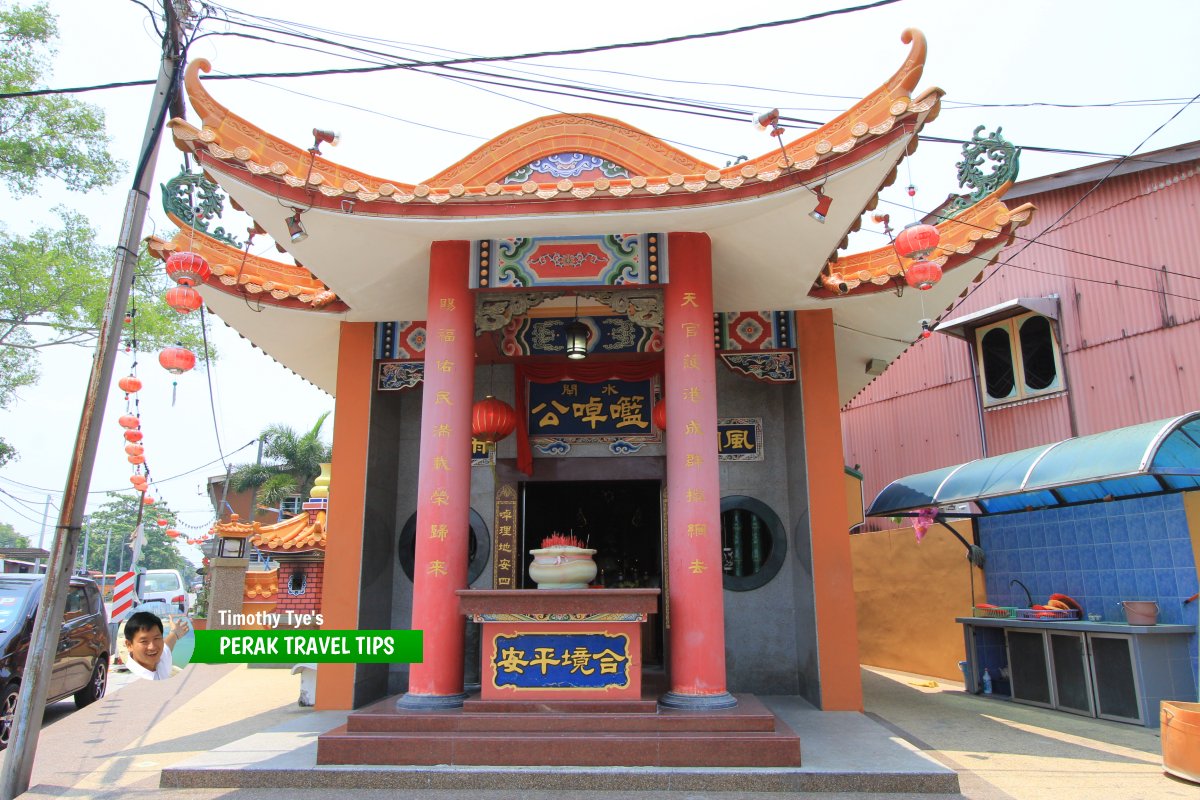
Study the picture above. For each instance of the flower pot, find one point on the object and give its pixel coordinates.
(562, 567)
(199, 624)
(1181, 739)
(1140, 612)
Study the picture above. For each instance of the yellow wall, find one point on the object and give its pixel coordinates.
(908, 595)
(1191, 507)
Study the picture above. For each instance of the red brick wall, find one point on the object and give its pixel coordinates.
(310, 601)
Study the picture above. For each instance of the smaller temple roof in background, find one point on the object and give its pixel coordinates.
(292, 535)
(261, 585)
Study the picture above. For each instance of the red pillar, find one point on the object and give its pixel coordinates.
(697, 609)
(444, 482)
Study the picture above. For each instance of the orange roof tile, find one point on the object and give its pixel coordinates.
(293, 534)
(238, 273)
(261, 584)
(873, 270)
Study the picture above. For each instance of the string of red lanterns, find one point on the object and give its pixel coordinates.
(917, 241)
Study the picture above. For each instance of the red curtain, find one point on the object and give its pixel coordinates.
(553, 372)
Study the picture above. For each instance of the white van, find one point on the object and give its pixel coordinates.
(167, 586)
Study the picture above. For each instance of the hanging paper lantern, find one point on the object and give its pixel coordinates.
(138, 481)
(162, 523)
(133, 435)
(177, 359)
(129, 384)
(147, 500)
(174, 534)
(917, 240)
(134, 449)
(659, 414)
(492, 420)
(129, 421)
(922, 275)
(136, 459)
(188, 269)
(183, 299)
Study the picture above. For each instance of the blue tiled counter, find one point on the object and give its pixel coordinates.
(1104, 669)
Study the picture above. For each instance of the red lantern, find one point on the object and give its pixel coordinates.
(129, 384)
(129, 421)
(659, 414)
(183, 299)
(133, 435)
(922, 275)
(177, 359)
(188, 269)
(137, 480)
(917, 240)
(174, 534)
(134, 449)
(162, 523)
(492, 420)
(136, 459)
(147, 500)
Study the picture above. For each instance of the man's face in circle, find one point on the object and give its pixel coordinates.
(146, 647)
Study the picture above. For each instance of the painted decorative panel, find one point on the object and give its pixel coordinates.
(396, 375)
(766, 367)
(576, 166)
(548, 336)
(573, 409)
(740, 439)
(628, 259)
(400, 340)
(754, 331)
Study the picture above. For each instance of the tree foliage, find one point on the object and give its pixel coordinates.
(116, 520)
(291, 463)
(49, 136)
(10, 538)
(56, 283)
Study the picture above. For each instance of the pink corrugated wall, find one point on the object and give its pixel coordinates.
(1131, 355)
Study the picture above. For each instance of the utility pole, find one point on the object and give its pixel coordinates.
(87, 538)
(26, 721)
(42, 535)
(104, 569)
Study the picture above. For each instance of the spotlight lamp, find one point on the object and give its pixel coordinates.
(770, 119)
(321, 136)
(824, 202)
(296, 227)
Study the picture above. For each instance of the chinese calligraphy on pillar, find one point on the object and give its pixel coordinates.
(506, 565)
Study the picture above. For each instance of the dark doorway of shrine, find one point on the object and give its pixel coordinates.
(620, 520)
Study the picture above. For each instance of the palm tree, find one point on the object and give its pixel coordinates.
(291, 463)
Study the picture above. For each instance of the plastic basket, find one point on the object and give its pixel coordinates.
(1047, 614)
(1000, 612)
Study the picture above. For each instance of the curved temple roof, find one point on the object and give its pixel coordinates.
(368, 237)
(1151, 458)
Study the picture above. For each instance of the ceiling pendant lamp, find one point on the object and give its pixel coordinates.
(577, 336)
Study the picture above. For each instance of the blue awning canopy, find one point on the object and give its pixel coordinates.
(1147, 459)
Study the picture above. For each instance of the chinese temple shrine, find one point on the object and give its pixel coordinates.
(670, 343)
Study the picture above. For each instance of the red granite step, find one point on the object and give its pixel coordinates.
(647, 705)
(749, 715)
(778, 748)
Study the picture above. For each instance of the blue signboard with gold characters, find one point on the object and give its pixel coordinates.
(574, 409)
(740, 439)
(561, 661)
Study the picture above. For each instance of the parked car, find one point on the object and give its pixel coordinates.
(81, 661)
(168, 586)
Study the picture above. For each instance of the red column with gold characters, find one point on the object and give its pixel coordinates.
(693, 481)
(444, 482)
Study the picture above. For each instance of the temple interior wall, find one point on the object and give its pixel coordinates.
(770, 630)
